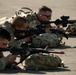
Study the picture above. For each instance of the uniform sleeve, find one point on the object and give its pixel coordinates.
(3, 62)
(1, 55)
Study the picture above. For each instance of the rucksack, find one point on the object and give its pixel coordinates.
(43, 62)
(47, 39)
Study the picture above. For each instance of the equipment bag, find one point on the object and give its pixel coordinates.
(47, 39)
(71, 29)
(43, 62)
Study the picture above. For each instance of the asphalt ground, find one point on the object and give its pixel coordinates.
(59, 7)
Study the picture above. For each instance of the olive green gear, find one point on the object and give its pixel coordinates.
(43, 62)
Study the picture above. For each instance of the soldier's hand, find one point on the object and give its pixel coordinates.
(28, 39)
(11, 58)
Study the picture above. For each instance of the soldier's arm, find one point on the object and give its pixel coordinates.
(3, 62)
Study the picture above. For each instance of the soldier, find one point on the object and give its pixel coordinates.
(36, 18)
(4, 41)
(44, 14)
(18, 23)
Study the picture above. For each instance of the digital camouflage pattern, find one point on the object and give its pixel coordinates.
(32, 20)
(47, 39)
(43, 62)
(71, 29)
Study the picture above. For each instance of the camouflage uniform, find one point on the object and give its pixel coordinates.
(3, 61)
(33, 21)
